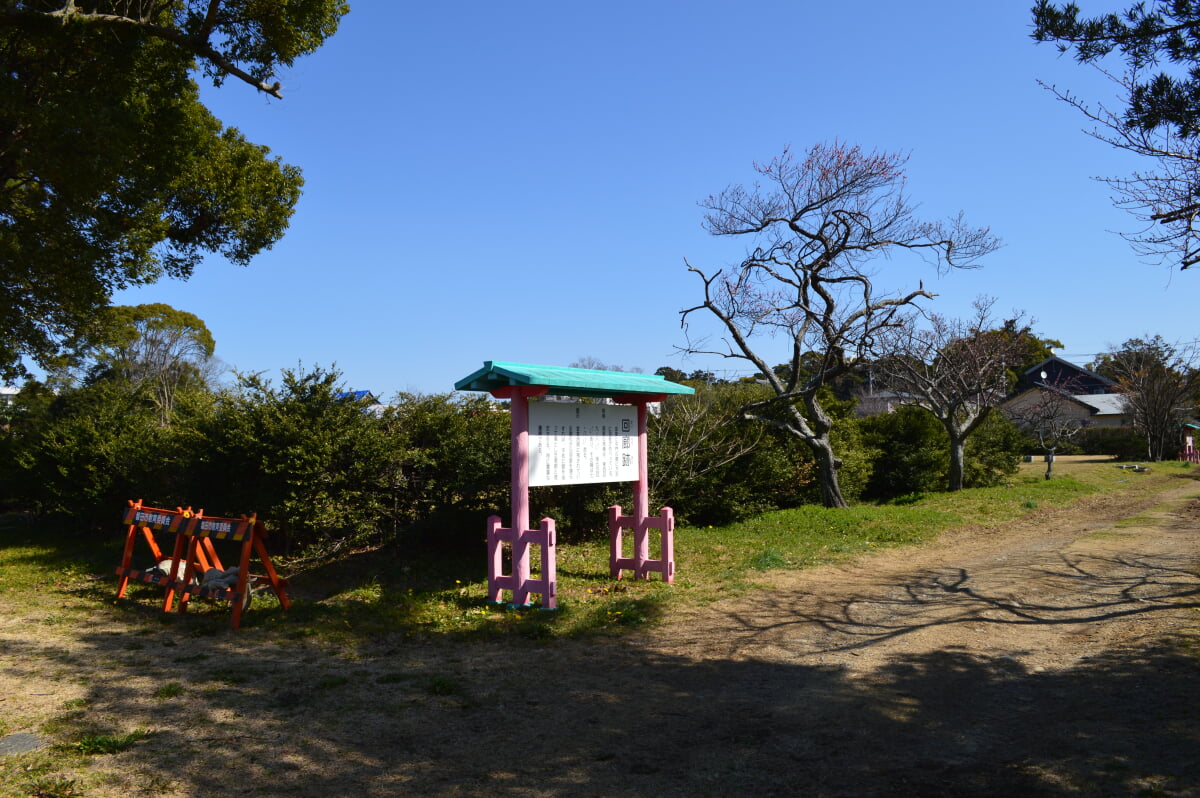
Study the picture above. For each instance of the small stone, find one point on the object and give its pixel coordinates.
(19, 743)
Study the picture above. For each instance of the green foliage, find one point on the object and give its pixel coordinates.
(579, 511)
(91, 449)
(153, 348)
(316, 466)
(1148, 38)
(714, 466)
(112, 172)
(1120, 442)
(697, 443)
(913, 453)
(455, 453)
(993, 452)
(857, 454)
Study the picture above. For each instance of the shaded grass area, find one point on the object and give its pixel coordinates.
(431, 589)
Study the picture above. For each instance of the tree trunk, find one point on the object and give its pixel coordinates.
(1049, 463)
(827, 471)
(958, 448)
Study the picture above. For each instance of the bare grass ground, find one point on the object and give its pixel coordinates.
(1054, 655)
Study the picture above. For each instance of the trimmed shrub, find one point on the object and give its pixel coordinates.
(1121, 442)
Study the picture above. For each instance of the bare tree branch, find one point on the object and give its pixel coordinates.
(818, 222)
(955, 369)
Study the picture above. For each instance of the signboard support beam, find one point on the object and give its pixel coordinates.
(519, 536)
(641, 522)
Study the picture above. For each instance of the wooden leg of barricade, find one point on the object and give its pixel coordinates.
(174, 575)
(277, 584)
(213, 561)
(243, 582)
(126, 560)
(189, 573)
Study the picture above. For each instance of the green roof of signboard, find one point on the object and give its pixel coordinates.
(565, 381)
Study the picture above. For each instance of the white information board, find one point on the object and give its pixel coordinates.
(573, 444)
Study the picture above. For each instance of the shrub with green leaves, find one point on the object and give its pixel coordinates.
(455, 452)
(1124, 443)
(713, 466)
(316, 465)
(90, 450)
(912, 453)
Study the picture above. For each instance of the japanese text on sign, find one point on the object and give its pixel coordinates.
(573, 444)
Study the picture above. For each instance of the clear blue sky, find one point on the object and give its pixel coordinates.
(519, 181)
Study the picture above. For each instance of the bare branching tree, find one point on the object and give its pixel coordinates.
(1159, 382)
(815, 226)
(1051, 414)
(958, 370)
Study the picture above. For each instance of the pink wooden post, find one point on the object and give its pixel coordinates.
(641, 522)
(519, 412)
(497, 581)
(517, 535)
(641, 497)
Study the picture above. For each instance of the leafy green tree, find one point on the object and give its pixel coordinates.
(91, 450)
(456, 454)
(112, 172)
(912, 454)
(1160, 84)
(671, 374)
(994, 452)
(155, 348)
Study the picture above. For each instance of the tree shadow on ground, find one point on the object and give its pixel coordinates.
(516, 718)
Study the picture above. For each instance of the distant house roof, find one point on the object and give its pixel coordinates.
(1104, 404)
(358, 396)
(565, 381)
(1054, 372)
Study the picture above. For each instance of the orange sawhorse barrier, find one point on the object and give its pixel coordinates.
(194, 556)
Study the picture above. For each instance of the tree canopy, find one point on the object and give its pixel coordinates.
(955, 369)
(1147, 35)
(1159, 381)
(156, 348)
(112, 172)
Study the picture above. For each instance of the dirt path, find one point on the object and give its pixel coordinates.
(1040, 658)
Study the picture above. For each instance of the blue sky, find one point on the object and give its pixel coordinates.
(519, 181)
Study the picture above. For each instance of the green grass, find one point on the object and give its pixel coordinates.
(169, 690)
(392, 592)
(96, 744)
